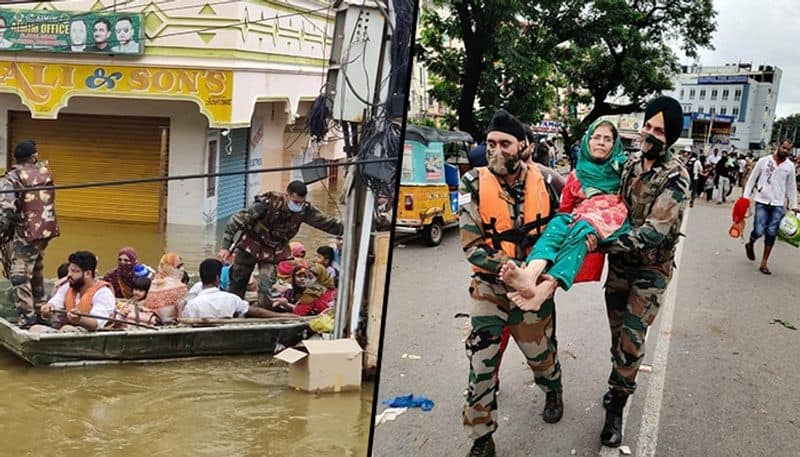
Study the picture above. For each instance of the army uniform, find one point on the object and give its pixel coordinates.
(492, 311)
(267, 226)
(640, 262)
(28, 221)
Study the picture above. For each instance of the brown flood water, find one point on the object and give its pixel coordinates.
(228, 406)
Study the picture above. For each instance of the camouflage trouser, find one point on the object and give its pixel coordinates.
(633, 298)
(242, 268)
(534, 333)
(24, 270)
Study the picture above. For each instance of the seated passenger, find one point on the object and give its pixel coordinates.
(62, 272)
(324, 257)
(121, 278)
(212, 303)
(306, 297)
(81, 295)
(133, 309)
(167, 287)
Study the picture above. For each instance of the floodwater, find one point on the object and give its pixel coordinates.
(227, 406)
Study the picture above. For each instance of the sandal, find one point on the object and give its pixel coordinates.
(765, 270)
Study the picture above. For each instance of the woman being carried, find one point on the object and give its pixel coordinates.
(590, 206)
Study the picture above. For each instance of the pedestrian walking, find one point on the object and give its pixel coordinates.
(774, 181)
(503, 209)
(722, 178)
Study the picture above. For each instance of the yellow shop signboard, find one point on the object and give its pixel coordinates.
(45, 88)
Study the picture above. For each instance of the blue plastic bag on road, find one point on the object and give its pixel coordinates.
(409, 401)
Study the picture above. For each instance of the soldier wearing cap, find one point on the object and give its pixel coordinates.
(28, 223)
(503, 209)
(655, 186)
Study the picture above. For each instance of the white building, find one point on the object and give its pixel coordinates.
(741, 101)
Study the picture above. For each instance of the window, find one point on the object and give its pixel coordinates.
(725, 93)
(691, 94)
(735, 112)
(737, 95)
(712, 110)
(681, 93)
(766, 109)
(702, 94)
(211, 184)
(733, 130)
(723, 111)
(713, 94)
(700, 110)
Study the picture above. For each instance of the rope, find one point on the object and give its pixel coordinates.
(125, 182)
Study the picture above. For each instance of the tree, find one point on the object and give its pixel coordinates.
(787, 127)
(622, 51)
(592, 50)
(495, 66)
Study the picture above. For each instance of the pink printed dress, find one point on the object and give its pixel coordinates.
(606, 212)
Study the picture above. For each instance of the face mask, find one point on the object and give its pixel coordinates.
(652, 147)
(295, 207)
(500, 165)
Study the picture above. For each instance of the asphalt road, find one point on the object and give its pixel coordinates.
(724, 379)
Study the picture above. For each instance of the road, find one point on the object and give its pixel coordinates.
(724, 379)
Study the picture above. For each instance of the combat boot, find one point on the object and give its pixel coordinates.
(482, 447)
(553, 407)
(614, 402)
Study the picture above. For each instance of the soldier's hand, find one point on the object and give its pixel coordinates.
(591, 242)
(46, 310)
(224, 255)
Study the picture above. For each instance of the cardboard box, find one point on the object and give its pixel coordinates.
(324, 365)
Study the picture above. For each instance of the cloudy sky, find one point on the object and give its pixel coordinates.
(761, 33)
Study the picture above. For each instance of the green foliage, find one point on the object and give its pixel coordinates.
(787, 127)
(485, 54)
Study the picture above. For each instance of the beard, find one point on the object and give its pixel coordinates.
(500, 165)
(77, 284)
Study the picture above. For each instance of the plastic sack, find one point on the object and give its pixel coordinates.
(322, 324)
(789, 229)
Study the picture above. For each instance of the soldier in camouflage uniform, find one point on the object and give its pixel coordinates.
(27, 223)
(655, 186)
(488, 244)
(266, 228)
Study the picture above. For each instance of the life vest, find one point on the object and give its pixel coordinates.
(85, 304)
(498, 225)
(37, 207)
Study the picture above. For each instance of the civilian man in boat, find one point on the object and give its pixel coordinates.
(81, 296)
(212, 303)
(266, 227)
(28, 223)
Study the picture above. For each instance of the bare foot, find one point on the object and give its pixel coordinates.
(541, 293)
(522, 280)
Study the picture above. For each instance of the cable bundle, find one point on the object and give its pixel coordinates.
(318, 116)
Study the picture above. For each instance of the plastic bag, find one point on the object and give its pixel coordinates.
(789, 229)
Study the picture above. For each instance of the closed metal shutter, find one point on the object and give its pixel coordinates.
(89, 148)
(232, 189)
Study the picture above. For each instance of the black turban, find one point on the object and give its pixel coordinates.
(506, 123)
(24, 149)
(673, 117)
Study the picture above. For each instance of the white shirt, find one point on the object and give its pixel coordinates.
(698, 168)
(213, 303)
(714, 159)
(773, 183)
(103, 302)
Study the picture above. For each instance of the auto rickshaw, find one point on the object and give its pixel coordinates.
(428, 199)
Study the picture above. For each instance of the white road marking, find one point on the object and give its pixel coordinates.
(648, 430)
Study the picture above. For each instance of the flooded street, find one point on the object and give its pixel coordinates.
(227, 406)
(231, 406)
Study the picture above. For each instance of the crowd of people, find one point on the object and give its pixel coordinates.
(133, 293)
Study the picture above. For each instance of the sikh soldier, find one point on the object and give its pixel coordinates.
(655, 186)
(503, 208)
(28, 223)
(266, 228)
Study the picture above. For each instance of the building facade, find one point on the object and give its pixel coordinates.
(730, 106)
(215, 87)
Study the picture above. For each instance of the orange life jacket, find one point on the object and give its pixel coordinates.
(85, 304)
(501, 234)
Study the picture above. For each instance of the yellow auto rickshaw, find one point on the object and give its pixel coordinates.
(428, 199)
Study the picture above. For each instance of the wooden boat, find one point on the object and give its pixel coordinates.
(240, 336)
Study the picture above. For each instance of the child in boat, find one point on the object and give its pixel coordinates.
(133, 309)
(62, 272)
(590, 205)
